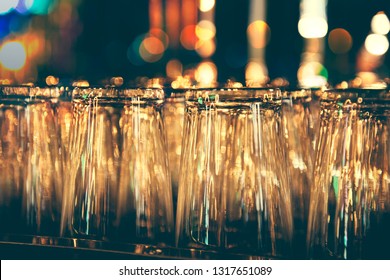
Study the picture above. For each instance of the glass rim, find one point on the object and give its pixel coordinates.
(241, 94)
(235, 88)
(365, 94)
(26, 91)
(297, 93)
(120, 93)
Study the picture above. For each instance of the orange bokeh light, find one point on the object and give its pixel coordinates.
(259, 34)
(188, 37)
(340, 41)
(153, 45)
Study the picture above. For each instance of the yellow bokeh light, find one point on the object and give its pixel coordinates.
(80, 83)
(256, 74)
(340, 41)
(205, 48)
(206, 74)
(52, 81)
(13, 55)
(376, 44)
(258, 33)
(174, 68)
(312, 27)
(206, 5)
(182, 82)
(380, 24)
(205, 30)
(116, 81)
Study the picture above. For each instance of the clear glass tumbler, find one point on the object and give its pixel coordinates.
(349, 215)
(300, 126)
(31, 163)
(233, 191)
(173, 116)
(119, 186)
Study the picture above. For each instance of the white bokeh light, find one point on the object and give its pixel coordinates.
(380, 24)
(376, 44)
(312, 27)
(7, 5)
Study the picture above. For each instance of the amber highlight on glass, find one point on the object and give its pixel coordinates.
(233, 191)
(349, 215)
(300, 126)
(118, 186)
(173, 115)
(31, 160)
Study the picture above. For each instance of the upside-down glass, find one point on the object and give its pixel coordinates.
(119, 186)
(300, 132)
(31, 160)
(350, 202)
(233, 192)
(173, 115)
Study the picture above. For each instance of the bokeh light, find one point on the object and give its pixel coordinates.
(206, 48)
(21, 7)
(380, 24)
(312, 75)
(206, 5)
(340, 41)
(40, 7)
(206, 74)
(174, 68)
(153, 45)
(312, 27)
(116, 81)
(133, 54)
(161, 35)
(13, 55)
(150, 52)
(256, 74)
(258, 33)
(7, 6)
(205, 30)
(52, 81)
(376, 44)
(313, 20)
(188, 37)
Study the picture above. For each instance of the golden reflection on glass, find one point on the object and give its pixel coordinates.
(31, 160)
(350, 202)
(119, 186)
(233, 191)
(173, 115)
(300, 125)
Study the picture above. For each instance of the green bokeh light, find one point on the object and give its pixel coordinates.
(40, 7)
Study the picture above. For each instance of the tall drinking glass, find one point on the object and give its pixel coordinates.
(30, 160)
(173, 115)
(299, 126)
(119, 186)
(350, 202)
(233, 191)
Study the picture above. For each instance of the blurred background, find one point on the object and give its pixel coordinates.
(305, 42)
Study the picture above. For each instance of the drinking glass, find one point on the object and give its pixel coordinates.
(30, 160)
(350, 201)
(300, 132)
(119, 186)
(233, 191)
(173, 116)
